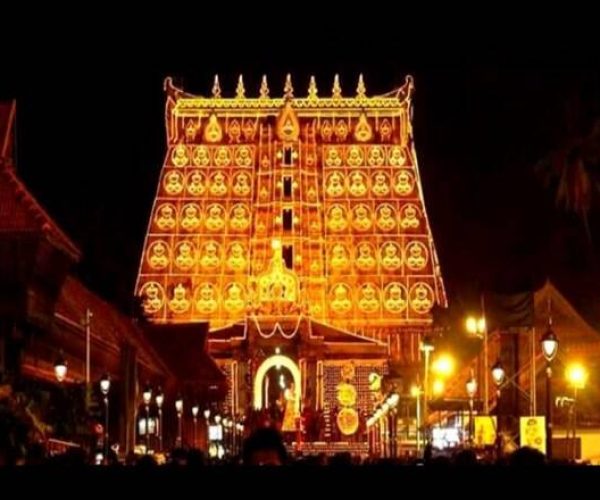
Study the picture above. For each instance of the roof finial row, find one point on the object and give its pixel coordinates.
(288, 89)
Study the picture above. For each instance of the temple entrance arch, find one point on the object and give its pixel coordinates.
(276, 361)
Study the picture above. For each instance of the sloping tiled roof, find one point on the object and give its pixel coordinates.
(107, 323)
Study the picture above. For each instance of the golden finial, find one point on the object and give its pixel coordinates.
(312, 88)
(264, 88)
(216, 89)
(361, 90)
(288, 90)
(240, 91)
(337, 89)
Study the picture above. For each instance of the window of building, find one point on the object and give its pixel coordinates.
(287, 219)
(288, 256)
(287, 187)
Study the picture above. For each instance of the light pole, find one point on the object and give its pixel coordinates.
(160, 399)
(478, 327)
(549, 349)
(427, 348)
(195, 410)
(104, 388)
(471, 387)
(179, 410)
(577, 377)
(147, 398)
(498, 376)
(415, 392)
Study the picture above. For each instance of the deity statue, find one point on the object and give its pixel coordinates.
(222, 157)
(201, 156)
(240, 218)
(417, 256)
(191, 217)
(173, 182)
(206, 302)
(180, 157)
(421, 298)
(358, 184)
(333, 158)
(234, 300)
(236, 261)
(179, 303)
(152, 294)
(385, 130)
(218, 187)
(216, 218)
(243, 156)
(409, 219)
(397, 156)
(195, 183)
(376, 156)
(395, 301)
(341, 130)
(368, 301)
(386, 220)
(158, 255)
(362, 218)
(335, 184)
(249, 130)
(241, 185)
(341, 304)
(234, 131)
(355, 156)
(404, 183)
(185, 256)
(337, 220)
(381, 184)
(210, 257)
(365, 260)
(339, 257)
(391, 258)
(165, 218)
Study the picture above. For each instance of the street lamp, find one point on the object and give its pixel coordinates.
(443, 365)
(438, 387)
(415, 392)
(60, 369)
(104, 388)
(478, 326)
(471, 387)
(179, 410)
(577, 377)
(147, 398)
(549, 343)
(427, 348)
(498, 375)
(160, 399)
(195, 410)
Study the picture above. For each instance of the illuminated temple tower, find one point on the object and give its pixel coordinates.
(296, 227)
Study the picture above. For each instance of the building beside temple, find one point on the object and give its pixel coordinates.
(296, 228)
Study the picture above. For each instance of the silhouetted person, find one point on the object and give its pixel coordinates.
(264, 447)
(465, 458)
(195, 458)
(527, 456)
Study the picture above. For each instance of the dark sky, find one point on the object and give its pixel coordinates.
(91, 144)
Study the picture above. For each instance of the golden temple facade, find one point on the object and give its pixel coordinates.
(296, 227)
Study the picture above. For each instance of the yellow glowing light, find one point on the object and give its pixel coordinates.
(443, 365)
(438, 387)
(577, 375)
(276, 244)
(475, 326)
(415, 391)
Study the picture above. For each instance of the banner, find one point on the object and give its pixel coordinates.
(485, 430)
(533, 433)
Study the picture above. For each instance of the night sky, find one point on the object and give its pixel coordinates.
(91, 143)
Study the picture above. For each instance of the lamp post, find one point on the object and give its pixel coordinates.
(104, 388)
(195, 410)
(147, 398)
(498, 376)
(471, 387)
(478, 327)
(549, 350)
(415, 392)
(427, 348)
(577, 377)
(160, 399)
(60, 369)
(179, 410)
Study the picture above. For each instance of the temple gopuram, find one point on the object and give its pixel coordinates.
(296, 228)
